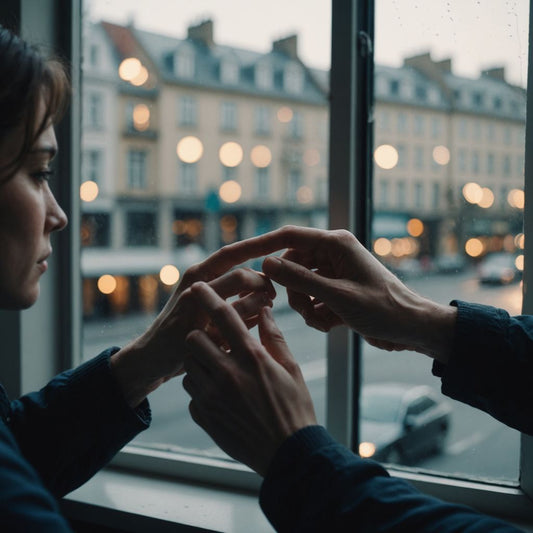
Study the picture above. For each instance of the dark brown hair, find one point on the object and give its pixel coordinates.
(26, 78)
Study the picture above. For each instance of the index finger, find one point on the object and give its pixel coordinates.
(223, 315)
(286, 237)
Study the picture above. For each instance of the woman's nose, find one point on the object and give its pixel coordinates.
(56, 217)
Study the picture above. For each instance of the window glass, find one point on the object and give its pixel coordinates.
(215, 129)
(467, 241)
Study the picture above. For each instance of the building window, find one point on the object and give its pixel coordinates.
(229, 71)
(293, 79)
(187, 178)
(296, 126)
(293, 184)
(262, 182)
(419, 125)
(421, 93)
(95, 229)
(475, 162)
(506, 166)
(94, 55)
(461, 159)
(92, 165)
(507, 137)
(436, 127)
(228, 116)
(263, 76)
(394, 87)
(402, 155)
(141, 228)
(402, 122)
(477, 99)
(463, 128)
(187, 111)
(184, 63)
(262, 120)
(435, 195)
(490, 163)
(137, 169)
(401, 195)
(95, 110)
(419, 157)
(229, 173)
(419, 195)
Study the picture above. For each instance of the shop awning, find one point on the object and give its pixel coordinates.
(137, 261)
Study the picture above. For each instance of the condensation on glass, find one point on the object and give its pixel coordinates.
(450, 109)
(191, 142)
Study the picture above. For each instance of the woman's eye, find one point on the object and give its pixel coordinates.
(43, 175)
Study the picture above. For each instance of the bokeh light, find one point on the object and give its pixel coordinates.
(382, 246)
(386, 156)
(261, 156)
(129, 69)
(367, 449)
(89, 191)
(190, 149)
(472, 192)
(141, 117)
(231, 154)
(106, 284)
(519, 262)
(441, 155)
(516, 198)
(415, 227)
(304, 194)
(141, 78)
(285, 114)
(474, 247)
(230, 191)
(519, 241)
(169, 275)
(487, 198)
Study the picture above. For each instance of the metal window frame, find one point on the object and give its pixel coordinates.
(58, 345)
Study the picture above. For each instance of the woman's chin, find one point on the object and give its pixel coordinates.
(19, 300)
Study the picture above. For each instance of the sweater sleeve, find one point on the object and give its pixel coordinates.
(491, 366)
(73, 426)
(25, 504)
(316, 485)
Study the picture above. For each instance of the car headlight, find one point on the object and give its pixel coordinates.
(367, 449)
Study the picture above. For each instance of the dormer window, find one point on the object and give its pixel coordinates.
(263, 76)
(229, 71)
(293, 79)
(394, 87)
(184, 62)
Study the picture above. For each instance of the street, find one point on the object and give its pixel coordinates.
(477, 446)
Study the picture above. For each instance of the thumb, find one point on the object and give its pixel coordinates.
(298, 278)
(273, 341)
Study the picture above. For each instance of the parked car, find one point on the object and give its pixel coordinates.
(401, 423)
(498, 269)
(450, 263)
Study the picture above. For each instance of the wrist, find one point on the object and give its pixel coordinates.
(133, 378)
(435, 330)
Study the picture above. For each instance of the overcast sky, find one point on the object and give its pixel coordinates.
(477, 34)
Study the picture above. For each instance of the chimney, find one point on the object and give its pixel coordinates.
(202, 33)
(445, 65)
(496, 73)
(287, 45)
(433, 70)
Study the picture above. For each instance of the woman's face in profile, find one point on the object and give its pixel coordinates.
(29, 213)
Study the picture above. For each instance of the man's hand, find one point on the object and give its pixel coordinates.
(331, 279)
(249, 396)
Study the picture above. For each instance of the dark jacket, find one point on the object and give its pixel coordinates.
(316, 485)
(53, 440)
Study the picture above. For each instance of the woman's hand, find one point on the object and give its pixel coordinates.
(157, 355)
(248, 395)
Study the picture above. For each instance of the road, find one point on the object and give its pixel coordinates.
(478, 446)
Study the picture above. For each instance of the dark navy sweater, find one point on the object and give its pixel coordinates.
(316, 485)
(53, 440)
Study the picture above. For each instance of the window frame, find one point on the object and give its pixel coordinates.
(59, 345)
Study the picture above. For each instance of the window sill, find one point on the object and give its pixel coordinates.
(135, 503)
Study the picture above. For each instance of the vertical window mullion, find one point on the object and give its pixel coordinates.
(526, 451)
